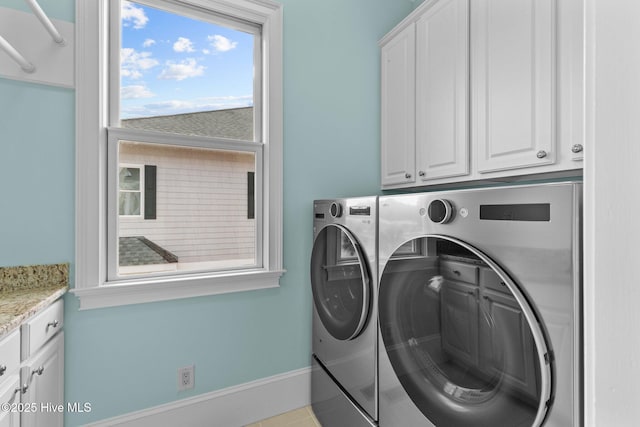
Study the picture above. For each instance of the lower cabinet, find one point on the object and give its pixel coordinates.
(485, 330)
(32, 371)
(507, 344)
(43, 386)
(460, 322)
(10, 397)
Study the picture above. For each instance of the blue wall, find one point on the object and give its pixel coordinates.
(125, 359)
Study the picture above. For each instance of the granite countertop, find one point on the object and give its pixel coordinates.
(24, 291)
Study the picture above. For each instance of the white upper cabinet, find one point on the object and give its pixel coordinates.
(425, 95)
(499, 92)
(513, 83)
(398, 108)
(442, 88)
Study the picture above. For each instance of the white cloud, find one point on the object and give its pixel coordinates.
(148, 43)
(135, 92)
(133, 63)
(132, 15)
(183, 45)
(206, 51)
(132, 74)
(182, 70)
(221, 43)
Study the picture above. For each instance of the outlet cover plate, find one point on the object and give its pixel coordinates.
(186, 377)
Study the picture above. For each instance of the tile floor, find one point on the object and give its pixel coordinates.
(302, 417)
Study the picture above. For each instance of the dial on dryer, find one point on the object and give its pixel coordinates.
(440, 211)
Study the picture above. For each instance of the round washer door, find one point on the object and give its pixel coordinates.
(340, 282)
(462, 339)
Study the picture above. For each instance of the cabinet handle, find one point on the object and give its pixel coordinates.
(456, 272)
(38, 371)
(3, 369)
(53, 324)
(407, 175)
(421, 173)
(22, 389)
(577, 148)
(541, 154)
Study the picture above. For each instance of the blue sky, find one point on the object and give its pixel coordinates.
(174, 64)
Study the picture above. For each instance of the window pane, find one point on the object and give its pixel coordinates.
(201, 211)
(183, 75)
(129, 203)
(130, 179)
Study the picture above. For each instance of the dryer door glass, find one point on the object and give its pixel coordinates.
(461, 337)
(340, 282)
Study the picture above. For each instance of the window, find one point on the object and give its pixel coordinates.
(130, 198)
(179, 149)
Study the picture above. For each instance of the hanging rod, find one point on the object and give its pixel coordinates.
(26, 66)
(44, 19)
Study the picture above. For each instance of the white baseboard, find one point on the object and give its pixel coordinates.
(231, 407)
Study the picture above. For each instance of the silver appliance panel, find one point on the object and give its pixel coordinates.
(527, 235)
(344, 280)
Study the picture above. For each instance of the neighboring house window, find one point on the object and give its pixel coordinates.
(179, 148)
(130, 198)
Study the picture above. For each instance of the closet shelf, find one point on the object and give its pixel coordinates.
(31, 54)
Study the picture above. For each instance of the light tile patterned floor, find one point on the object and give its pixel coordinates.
(302, 417)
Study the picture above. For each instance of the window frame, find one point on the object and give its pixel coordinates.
(93, 111)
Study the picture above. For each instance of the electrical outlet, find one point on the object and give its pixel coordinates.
(186, 377)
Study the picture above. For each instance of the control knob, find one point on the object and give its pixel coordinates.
(440, 211)
(335, 210)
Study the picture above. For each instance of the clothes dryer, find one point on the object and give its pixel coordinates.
(479, 307)
(343, 281)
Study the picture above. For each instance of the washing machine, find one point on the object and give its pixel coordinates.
(479, 307)
(344, 386)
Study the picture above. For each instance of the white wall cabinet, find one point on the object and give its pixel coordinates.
(516, 109)
(398, 108)
(425, 95)
(513, 83)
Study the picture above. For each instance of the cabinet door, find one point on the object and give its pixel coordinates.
(571, 80)
(513, 72)
(507, 343)
(44, 375)
(398, 109)
(442, 87)
(459, 314)
(8, 394)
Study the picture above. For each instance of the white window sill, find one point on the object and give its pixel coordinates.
(124, 293)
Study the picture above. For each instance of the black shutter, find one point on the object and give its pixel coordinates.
(150, 192)
(251, 195)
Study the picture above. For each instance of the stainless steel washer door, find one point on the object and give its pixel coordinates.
(461, 337)
(340, 282)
